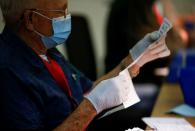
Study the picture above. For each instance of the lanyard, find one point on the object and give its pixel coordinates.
(58, 75)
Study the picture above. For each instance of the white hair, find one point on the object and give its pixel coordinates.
(15, 8)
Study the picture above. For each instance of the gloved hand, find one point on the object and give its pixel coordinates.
(154, 51)
(107, 94)
(143, 44)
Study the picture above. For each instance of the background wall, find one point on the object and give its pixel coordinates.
(96, 12)
(185, 6)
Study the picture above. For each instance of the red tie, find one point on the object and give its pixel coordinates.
(58, 75)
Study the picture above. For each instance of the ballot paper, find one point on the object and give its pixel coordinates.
(164, 28)
(168, 124)
(168, 127)
(124, 79)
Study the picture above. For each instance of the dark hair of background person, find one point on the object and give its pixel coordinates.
(128, 22)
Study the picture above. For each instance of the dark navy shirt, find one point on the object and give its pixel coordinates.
(30, 99)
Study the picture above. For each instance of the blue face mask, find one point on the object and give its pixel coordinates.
(61, 31)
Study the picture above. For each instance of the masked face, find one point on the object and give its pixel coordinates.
(61, 27)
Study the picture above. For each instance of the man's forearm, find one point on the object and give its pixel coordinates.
(134, 70)
(79, 119)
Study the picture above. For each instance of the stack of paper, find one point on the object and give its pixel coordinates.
(168, 124)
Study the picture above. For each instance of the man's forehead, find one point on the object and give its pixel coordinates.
(52, 4)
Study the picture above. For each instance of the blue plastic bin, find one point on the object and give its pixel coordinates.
(187, 83)
(182, 59)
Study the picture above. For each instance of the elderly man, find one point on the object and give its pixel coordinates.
(39, 89)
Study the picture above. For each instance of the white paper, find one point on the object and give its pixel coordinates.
(132, 97)
(168, 124)
(164, 28)
(152, 121)
(124, 81)
(168, 127)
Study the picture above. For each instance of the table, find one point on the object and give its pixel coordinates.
(170, 96)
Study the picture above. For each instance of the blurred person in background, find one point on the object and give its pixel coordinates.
(128, 21)
(40, 90)
(2, 22)
(182, 15)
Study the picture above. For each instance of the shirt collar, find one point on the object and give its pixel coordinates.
(23, 50)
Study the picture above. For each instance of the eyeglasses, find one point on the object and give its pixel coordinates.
(52, 13)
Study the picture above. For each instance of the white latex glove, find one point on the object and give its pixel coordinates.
(107, 94)
(154, 51)
(135, 129)
(143, 44)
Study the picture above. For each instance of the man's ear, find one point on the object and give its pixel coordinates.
(28, 20)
